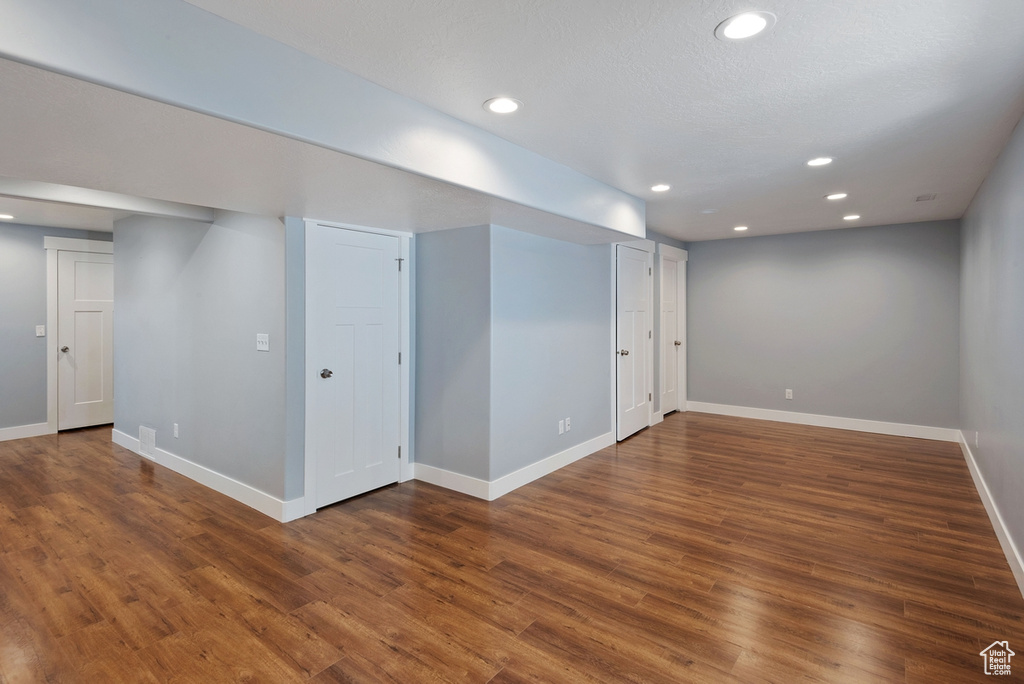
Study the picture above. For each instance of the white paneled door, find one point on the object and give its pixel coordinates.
(353, 380)
(85, 339)
(633, 340)
(672, 266)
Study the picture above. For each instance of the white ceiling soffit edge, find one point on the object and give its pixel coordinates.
(218, 68)
(66, 194)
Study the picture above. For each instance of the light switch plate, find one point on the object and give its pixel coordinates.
(263, 342)
(40, 331)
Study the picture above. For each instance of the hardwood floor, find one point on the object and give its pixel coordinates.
(706, 549)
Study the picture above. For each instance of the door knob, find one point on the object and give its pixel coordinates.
(65, 349)
(677, 343)
(326, 373)
(624, 352)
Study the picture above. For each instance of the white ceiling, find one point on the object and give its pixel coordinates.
(631, 93)
(910, 97)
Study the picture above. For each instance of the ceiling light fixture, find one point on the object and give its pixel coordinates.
(6, 217)
(836, 196)
(819, 161)
(746, 25)
(851, 217)
(502, 105)
(740, 228)
(661, 187)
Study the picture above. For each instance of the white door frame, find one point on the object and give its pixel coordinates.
(682, 256)
(648, 246)
(52, 245)
(405, 471)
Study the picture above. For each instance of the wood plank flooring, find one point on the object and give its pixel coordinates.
(705, 549)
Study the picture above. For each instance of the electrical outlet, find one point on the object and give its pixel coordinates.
(789, 394)
(40, 331)
(175, 431)
(263, 342)
(568, 424)
(976, 439)
(561, 427)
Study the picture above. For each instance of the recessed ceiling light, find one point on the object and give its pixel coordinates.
(661, 187)
(709, 211)
(744, 25)
(820, 161)
(6, 217)
(836, 196)
(502, 105)
(851, 217)
(740, 228)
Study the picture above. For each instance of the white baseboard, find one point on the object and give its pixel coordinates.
(282, 511)
(23, 431)
(857, 424)
(1013, 555)
(464, 484)
(490, 491)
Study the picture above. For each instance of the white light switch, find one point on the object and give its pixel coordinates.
(263, 342)
(40, 331)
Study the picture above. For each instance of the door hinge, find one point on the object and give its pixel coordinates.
(649, 271)
(399, 264)
(399, 358)
(649, 333)
(649, 397)
(399, 451)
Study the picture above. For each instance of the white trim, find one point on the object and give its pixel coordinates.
(23, 431)
(464, 484)
(406, 471)
(507, 483)
(489, 491)
(54, 245)
(669, 250)
(277, 509)
(659, 416)
(857, 424)
(1010, 550)
(78, 245)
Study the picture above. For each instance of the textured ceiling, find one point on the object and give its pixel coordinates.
(910, 97)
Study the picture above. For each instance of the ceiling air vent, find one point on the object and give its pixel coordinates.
(925, 198)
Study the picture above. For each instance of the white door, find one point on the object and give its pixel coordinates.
(353, 381)
(673, 329)
(85, 339)
(633, 336)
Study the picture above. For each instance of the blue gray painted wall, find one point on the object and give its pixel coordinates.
(992, 333)
(190, 298)
(550, 323)
(453, 350)
(22, 308)
(859, 323)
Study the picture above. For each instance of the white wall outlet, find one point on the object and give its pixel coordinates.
(561, 427)
(175, 431)
(568, 424)
(263, 342)
(40, 331)
(789, 394)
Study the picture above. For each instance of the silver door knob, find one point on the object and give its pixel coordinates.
(326, 373)
(677, 343)
(65, 349)
(624, 352)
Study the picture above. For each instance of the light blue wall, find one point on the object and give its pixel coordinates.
(550, 337)
(453, 350)
(22, 308)
(992, 333)
(190, 298)
(859, 323)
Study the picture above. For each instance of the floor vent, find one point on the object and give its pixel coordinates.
(147, 441)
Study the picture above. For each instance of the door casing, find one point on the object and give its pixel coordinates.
(669, 253)
(53, 245)
(406, 461)
(649, 247)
